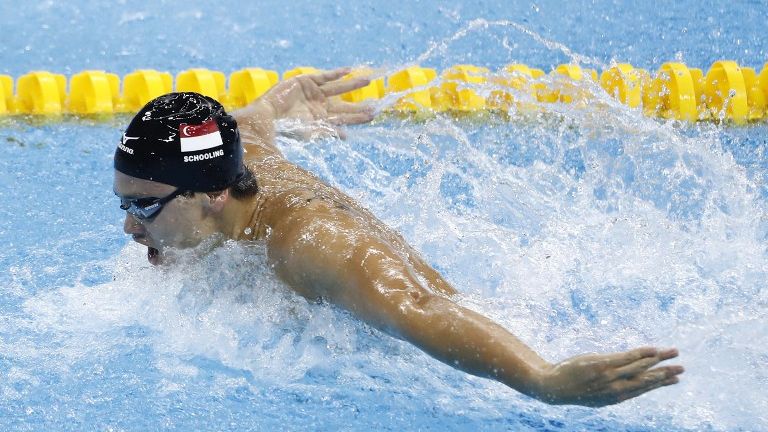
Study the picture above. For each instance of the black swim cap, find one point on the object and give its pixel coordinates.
(185, 140)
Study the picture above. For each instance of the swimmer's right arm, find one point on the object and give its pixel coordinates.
(256, 123)
(330, 257)
(310, 99)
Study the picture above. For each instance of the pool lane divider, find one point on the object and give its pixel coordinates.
(727, 92)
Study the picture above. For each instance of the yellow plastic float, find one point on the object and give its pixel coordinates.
(6, 94)
(758, 95)
(93, 92)
(762, 80)
(143, 85)
(454, 93)
(755, 97)
(624, 83)
(374, 90)
(726, 92)
(41, 92)
(206, 82)
(408, 79)
(519, 78)
(672, 94)
(247, 85)
(565, 87)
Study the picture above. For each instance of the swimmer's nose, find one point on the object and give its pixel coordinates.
(131, 225)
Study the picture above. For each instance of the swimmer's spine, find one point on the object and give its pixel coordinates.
(726, 92)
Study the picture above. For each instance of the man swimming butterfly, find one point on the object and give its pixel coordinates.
(185, 171)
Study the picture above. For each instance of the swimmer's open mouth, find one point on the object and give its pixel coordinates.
(153, 255)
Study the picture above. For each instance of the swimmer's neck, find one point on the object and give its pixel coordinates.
(242, 219)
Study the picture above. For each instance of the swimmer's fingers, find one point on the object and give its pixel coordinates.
(643, 364)
(335, 88)
(348, 113)
(593, 380)
(340, 112)
(321, 78)
(648, 381)
(339, 106)
(625, 358)
(350, 118)
(636, 393)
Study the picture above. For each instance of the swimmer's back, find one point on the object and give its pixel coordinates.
(290, 193)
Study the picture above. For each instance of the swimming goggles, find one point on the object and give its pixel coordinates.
(149, 207)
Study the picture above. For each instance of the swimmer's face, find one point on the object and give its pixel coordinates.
(182, 223)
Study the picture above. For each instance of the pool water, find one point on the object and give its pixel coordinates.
(581, 229)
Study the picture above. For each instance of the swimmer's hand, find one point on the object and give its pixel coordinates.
(311, 100)
(308, 103)
(599, 380)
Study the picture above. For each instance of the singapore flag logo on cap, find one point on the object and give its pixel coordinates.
(199, 137)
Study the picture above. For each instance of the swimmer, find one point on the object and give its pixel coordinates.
(186, 171)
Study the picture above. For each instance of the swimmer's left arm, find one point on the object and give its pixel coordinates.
(305, 98)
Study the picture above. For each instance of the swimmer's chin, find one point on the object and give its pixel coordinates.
(153, 256)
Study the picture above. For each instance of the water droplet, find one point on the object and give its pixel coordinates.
(248, 231)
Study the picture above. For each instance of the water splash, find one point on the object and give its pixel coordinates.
(480, 24)
(581, 228)
(614, 229)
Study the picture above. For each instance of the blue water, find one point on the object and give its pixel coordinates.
(587, 229)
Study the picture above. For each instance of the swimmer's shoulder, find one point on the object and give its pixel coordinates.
(309, 200)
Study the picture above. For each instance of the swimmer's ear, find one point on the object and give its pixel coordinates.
(217, 200)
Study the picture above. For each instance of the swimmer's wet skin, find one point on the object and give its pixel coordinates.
(185, 171)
